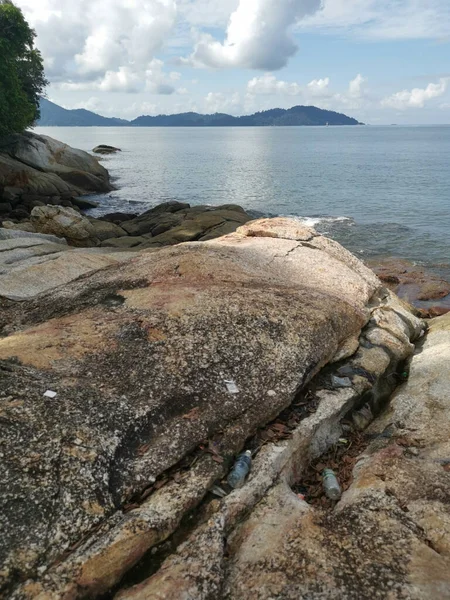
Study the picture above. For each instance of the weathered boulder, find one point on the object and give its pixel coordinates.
(33, 263)
(40, 165)
(105, 149)
(67, 223)
(163, 367)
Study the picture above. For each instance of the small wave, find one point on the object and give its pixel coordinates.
(315, 221)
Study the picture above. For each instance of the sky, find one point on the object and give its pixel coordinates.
(379, 61)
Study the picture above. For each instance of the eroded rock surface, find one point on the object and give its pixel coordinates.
(388, 537)
(163, 367)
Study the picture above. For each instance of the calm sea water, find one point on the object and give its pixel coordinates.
(380, 191)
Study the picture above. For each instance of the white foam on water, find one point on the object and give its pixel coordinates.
(314, 221)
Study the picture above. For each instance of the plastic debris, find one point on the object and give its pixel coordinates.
(362, 418)
(231, 386)
(341, 382)
(331, 484)
(218, 491)
(50, 394)
(343, 441)
(240, 470)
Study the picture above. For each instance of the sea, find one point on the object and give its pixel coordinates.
(380, 191)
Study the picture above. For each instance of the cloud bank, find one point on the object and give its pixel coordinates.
(417, 97)
(106, 45)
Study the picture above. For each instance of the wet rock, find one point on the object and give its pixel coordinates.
(83, 203)
(11, 194)
(105, 149)
(173, 223)
(145, 222)
(410, 282)
(118, 217)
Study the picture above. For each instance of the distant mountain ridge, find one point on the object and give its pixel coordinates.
(54, 115)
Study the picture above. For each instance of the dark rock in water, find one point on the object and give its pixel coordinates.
(105, 149)
(11, 194)
(118, 217)
(150, 219)
(20, 212)
(83, 203)
(412, 283)
(174, 222)
(5, 208)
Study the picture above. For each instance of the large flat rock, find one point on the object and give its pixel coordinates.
(149, 358)
(31, 264)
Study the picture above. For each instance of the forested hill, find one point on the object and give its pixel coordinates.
(52, 114)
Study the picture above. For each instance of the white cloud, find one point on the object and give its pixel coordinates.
(126, 79)
(257, 36)
(417, 97)
(318, 87)
(111, 43)
(356, 86)
(316, 91)
(269, 84)
(217, 102)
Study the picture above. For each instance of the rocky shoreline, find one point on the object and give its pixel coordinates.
(131, 376)
(42, 182)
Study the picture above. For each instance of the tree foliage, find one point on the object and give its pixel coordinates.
(22, 79)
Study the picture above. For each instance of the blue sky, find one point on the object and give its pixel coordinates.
(380, 61)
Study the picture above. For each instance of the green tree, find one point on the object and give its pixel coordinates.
(22, 79)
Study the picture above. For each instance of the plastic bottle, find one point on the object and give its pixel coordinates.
(240, 470)
(331, 484)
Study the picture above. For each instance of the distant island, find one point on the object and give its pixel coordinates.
(53, 115)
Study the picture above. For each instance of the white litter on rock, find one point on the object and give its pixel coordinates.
(231, 386)
(50, 394)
